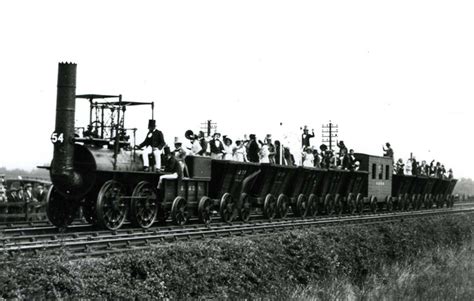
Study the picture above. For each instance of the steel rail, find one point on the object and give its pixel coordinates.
(100, 245)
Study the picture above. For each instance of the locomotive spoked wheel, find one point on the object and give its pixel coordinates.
(111, 205)
(144, 205)
(282, 206)
(245, 207)
(269, 207)
(302, 206)
(205, 210)
(329, 204)
(313, 205)
(338, 204)
(351, 204)
(359, 203)
(60, 210)
(389, 203)
(179, 211)
(373, 204)
(227, 208)
(89, 212)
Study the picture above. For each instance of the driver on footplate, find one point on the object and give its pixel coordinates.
(154, 143)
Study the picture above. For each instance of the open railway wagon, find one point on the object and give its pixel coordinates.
(401, 187)
(305, 191)
(442, 192)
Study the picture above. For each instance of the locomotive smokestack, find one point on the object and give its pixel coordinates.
(62, 168)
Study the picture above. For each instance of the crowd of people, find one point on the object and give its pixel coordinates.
(414, 168)
(24, 193)
(251, 149)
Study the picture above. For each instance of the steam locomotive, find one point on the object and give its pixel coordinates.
(103, 175)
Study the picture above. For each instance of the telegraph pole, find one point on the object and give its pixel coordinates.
(208, 126)
(329, 133)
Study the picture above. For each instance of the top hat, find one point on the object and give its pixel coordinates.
(151, 123)
(167, 150)
(176, 141)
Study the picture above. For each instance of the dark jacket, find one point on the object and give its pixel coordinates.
(252, 154)
(305, 139)
(154, 139)
(214, 148)
(172, 166)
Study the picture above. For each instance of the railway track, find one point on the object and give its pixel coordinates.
(101, 243)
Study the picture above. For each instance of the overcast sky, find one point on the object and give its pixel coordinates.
(397, 71)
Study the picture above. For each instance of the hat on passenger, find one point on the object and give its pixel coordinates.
(216, 134)
(151, 123)
(227, 139)
(252, 136)
(28, 185)
(177, 141)
(189, 134)
(167, 150)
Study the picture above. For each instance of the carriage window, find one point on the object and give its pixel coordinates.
(374, 170)
(381, 172)
(387, 172)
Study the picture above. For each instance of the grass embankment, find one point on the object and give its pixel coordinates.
(367, 261)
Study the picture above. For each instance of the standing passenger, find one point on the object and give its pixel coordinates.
(308, 157)
(217, 147)
(253, 150)
(228, 150)
(388, 152)
(240, 154)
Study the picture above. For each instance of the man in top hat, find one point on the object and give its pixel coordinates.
(253, 149)
(305, 137)
(217, 148)
(153, 143)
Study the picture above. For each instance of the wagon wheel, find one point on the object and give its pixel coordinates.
(437, 201)
(60, 210)
(373, 204)
(430, 201)
(419, 201)
(179, 211)
(413, 201)
(205, 210)
(227, 208)
(359, 203)
(89, 211)
(389, 203)
(245, 207)
(351, 204)
(427, 201)
(406, 202)
(269, 207)
(301, 206)
(329, 204)
(313, 205)
(144, 205)
(338, 204)
(111, 205)
(282, 206)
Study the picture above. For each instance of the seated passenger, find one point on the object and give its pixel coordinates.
(317, 158)
(172, 167)
(179, 153)
(356, 165)
(153, 143)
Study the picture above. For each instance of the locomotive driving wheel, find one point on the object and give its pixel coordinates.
(269, 207)
(60, 210)
(179, 211)
(245, 207)
(111, 205)
(205, 210)
(282, 206)
(144, 205)
(227, 208)
(302, 206)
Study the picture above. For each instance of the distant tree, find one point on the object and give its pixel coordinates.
(15, 173)
(465, 186)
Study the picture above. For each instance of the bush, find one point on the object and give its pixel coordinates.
(244, 267)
